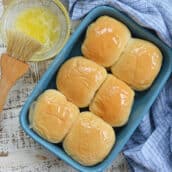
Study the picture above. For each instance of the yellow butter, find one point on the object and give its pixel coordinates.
(39, 23)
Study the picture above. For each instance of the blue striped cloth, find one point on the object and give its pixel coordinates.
(150, 147)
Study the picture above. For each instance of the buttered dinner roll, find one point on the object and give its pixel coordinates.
(139, 64)
(113, 102)
(105, 40)
(52, 116)
(79, 78)
(90, 139)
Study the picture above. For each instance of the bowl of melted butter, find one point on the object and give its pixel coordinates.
(45, 21)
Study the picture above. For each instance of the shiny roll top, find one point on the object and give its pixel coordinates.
(113, 102)
(79, 78)
(89, 140)
(105, 40)
(52, 116)
(139, 64)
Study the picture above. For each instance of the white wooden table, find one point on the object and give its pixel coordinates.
(18, 152)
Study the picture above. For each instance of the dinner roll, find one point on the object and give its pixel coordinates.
(105, 40)
(90, 139)
(79, 78)
(113, 102)
(52, 116)
(139, 64)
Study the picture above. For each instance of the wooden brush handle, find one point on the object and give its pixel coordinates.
(11, 70)
(4, 89)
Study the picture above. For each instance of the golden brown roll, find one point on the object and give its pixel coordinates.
(113, 102)
(90, 139)
(79, 78)
(52, 116)
(105, 40)
(139, 64)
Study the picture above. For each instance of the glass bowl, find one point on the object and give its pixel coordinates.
(56, 7)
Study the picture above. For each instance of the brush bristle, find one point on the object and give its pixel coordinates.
(21, 46)
(6, 2)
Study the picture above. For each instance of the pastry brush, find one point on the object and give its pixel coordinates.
(20, 48)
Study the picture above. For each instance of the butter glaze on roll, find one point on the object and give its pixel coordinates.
(90, 139)
(105, 40)
(113, 102)
(52, 116)
(79, 78)
(139, 64)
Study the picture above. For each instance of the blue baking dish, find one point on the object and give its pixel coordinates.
(143, 100)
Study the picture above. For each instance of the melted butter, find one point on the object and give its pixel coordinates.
(103, 31)
(39, 23)
(139, 51)
(154, 60)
